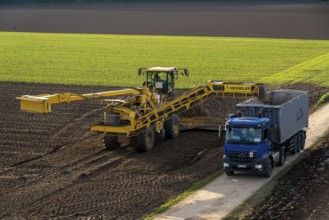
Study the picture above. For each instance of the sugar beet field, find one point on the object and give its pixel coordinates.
(114, 59)
(53, 167)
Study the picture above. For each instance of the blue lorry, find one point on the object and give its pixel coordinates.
(259, 135)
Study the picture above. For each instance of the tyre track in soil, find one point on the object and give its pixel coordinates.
(88, 167)
(34, 138)
(15, 122)
(19, 143)
(93, 198)
(60, 179)
(82, 179)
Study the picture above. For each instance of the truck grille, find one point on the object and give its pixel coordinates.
(241, 157)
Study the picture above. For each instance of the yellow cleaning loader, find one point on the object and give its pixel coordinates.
(144, 115)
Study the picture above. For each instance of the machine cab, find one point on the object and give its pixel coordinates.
(161, 79)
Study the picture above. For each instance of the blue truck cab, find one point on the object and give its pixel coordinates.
(259, 136)
(247, 145)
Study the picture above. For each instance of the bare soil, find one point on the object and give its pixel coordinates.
(52, 167)
(273, 19)
(303, 192)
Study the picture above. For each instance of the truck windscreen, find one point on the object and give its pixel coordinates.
(243, 135)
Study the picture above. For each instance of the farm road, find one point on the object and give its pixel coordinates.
(221, 196)
(287, 19)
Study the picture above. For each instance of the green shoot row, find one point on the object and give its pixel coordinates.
(90, 59)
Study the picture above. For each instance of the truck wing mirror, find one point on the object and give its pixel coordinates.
(183, 72)
(141, 71)
(221, 132)
(186, 73)
(267, 134)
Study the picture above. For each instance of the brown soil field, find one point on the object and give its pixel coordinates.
(303, 192)
(52, 167)
(283, 19)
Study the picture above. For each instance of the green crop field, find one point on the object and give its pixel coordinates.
(113, 60)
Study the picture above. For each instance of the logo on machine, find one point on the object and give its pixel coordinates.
(241, 154)
(237, 88)
(299, 114)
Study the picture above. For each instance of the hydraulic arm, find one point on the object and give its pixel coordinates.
(196, 94)
(42, 103)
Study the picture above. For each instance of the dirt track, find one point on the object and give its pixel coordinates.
(286, 19)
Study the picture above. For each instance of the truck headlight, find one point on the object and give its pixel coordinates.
(226, 165)
(258, 166)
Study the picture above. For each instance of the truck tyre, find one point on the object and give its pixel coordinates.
(268, 168)
(172, 126)
(303, 140)
(299, 143)
(145, 140)
(110, 142)
(282, 157)
(229, 172)
(294, 149)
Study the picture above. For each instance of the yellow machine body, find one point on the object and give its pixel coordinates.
(134, 110)
(149, 110)
(42, 103)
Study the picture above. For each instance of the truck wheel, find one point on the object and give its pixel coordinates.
(295, 150)
(303, 140)
(110, 142)
(229, 172)
(268, 168)
(145, 140)
(172, 126)
(282, 157)
(299, 143)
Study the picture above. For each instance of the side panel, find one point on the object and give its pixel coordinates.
(287, 111)
(293, 116)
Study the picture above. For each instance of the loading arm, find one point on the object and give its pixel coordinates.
(184, 102)
(42, 103)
